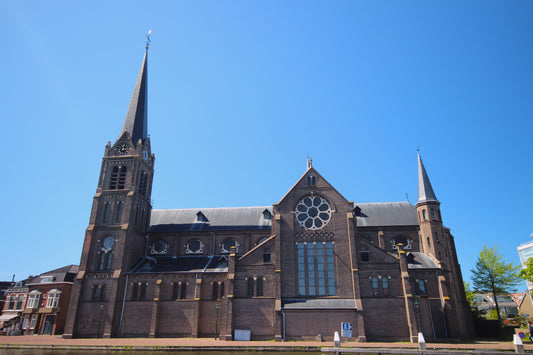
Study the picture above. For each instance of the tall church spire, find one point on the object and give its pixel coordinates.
(136, 122)
(425, 191)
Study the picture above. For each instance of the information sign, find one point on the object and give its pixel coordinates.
(346, 330)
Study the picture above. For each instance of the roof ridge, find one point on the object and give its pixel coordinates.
(208, 208)
(381, 203)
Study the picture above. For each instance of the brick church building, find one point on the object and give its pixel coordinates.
(291, 271)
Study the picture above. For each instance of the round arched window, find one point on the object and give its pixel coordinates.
(194, 246)
(159, 247)
(227, 244)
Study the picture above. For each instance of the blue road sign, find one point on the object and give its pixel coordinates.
(346, 330)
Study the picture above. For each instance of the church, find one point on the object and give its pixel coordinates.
(295, 270)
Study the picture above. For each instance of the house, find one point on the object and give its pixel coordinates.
(39, 304)
(526, 305)
(484, 303)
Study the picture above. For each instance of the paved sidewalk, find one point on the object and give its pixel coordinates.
(45, 341)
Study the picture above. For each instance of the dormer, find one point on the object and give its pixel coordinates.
(201, 218)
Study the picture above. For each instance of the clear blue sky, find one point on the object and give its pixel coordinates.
(240, 92)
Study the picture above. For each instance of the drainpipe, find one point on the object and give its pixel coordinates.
(442, 305)
(431, 318)
(146, 249)
(283, 323)
(123, 304)
(214, 239)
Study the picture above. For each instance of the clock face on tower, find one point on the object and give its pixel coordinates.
(313, 212)
(123, 149)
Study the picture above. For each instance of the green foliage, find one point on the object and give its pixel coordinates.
(521, 320)
(469, 293)
(491, 314)
(492, 274)
(527, 273)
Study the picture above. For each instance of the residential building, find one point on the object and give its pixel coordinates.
(293, 270)
(39, 304)
(526, 305)
(484, 303)
(525, 251)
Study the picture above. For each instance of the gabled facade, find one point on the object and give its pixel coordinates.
(294, 270)
(39, 304)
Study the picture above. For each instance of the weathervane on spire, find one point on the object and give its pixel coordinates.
(148, 39)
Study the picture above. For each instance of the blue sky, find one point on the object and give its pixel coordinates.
(240, 92)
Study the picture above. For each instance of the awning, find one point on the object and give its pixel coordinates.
(6, 317)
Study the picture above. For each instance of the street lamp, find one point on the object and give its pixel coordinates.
(99, 320)
(417, 310)
(216, 321)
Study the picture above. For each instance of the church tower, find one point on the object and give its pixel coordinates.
(116, 236)
(429, 217)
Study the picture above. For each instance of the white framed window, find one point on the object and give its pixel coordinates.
(53, 298)
(33, 299)
(33, 321)
(26, 321)
(20, 302)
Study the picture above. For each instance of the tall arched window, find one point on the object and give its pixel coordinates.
(259, 287)
(118, 211)
(385, 285)
(375, 286)
(316, 269)
(143, 183)
(250, 287)
(214, 294)
(107, 208)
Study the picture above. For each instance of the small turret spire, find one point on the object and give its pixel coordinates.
(425, 191)
(136, 122)
(309, 162)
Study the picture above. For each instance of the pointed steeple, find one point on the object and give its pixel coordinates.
(425, 191)
(136, 122)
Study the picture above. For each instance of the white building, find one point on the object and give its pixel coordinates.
(525, 251)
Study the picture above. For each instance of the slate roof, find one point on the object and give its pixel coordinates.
(217, 263)
(425, 190)
(136, 122)
(212, 219)
(419, 260)
(318, 303)
(386, 214)
(243, 218)
(63, 274)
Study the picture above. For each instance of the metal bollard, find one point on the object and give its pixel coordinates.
(421, 342)
(337, 340)
(518, 346)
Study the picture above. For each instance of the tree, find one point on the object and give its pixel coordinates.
(527, 272)
(469, 294)
(493, 275)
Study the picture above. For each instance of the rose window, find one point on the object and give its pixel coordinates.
(313, 212)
